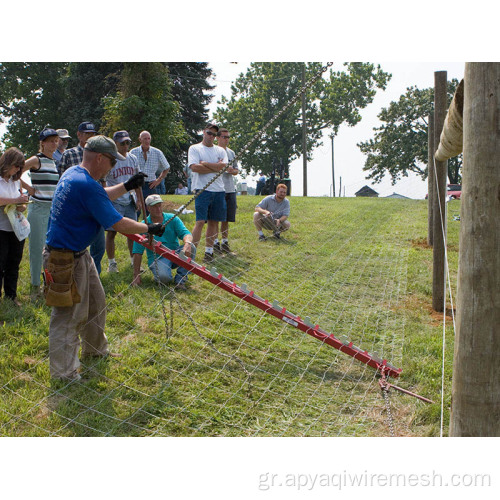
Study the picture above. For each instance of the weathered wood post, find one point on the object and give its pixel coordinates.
(439, 203)
(430, 177)
(476, 366)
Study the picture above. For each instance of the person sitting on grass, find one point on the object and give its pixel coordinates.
(272, 213)
(161, 267)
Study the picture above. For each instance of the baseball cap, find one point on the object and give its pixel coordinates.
(121, 135)
(103, 145)
(47, 132)
(63, 133)
(87, 127)
(153, 199)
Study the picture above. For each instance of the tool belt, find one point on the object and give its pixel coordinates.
(59, 283)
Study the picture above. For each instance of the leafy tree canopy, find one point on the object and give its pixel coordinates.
(400, 144)
(266, 88)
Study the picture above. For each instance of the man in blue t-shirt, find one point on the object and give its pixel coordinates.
(161, 267)
(81, 207)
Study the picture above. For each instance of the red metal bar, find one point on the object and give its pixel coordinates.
(273, 309)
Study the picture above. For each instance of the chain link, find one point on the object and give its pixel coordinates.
(390, 420)
(257, 136)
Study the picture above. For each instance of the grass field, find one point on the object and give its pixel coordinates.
(203, 363)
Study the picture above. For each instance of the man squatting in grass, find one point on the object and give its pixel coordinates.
(161, 267)
(272, 213)
(206, 161)
(125, 204)
(229, 186)
(80, 208)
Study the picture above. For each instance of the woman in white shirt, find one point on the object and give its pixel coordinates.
(11, 249)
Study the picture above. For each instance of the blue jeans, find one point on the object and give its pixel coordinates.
(162, 269)
(97, 249)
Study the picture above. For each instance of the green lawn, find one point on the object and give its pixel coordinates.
(203, 363)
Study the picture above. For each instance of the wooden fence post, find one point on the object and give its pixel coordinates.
(430, 178)
(439, 203)
(476, 366)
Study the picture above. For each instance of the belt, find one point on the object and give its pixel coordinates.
(75, 254)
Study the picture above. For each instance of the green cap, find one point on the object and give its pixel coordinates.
(103, 145)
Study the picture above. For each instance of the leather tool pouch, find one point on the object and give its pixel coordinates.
(60, 287)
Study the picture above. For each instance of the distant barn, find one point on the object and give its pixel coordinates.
(366, 191)
(396, 195)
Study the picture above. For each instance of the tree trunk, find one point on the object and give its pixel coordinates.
(476, 366)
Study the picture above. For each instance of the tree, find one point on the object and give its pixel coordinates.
(266, 88)
(85, 86)
(29, 100)
(400, 144)
(190, 89)
(144, 101)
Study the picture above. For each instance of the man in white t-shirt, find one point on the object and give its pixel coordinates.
(205, 161)
(122, 171)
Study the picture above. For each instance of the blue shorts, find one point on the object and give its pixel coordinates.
(211, 206)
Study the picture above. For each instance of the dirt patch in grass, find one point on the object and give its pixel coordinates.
(169, 207)
(416, 303)
(420, 243)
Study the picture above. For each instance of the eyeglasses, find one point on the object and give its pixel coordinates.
(210, 133)
(225, 137)
(111, 159)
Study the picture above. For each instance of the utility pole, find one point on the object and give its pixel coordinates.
(475, 406)
(439, 203)
(304, 134)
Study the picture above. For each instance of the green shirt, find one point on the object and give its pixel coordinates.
(174, 232)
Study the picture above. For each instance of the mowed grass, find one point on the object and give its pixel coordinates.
(203, 363)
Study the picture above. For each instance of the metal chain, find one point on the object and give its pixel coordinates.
(390, 420)
(257, 136)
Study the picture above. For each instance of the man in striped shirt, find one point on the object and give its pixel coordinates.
(151, 160)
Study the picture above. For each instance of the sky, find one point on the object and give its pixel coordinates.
(348, 159)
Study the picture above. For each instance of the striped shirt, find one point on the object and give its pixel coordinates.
(155, 162)
(71, 158)
(44, 180)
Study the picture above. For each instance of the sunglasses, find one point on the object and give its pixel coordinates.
(127, 143)
(111, 159)
(225, 137)
(210, 133)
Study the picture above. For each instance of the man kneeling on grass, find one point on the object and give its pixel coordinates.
(272, 213)
(175, 231)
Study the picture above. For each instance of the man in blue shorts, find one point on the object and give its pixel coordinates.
(205, 161)
(81, 206)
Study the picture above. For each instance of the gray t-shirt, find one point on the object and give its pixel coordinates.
(122, 172)
(229, 184)
(277, 209)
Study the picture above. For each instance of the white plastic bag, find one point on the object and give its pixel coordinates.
(18, 221)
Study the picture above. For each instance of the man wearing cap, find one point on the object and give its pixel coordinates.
(206, 161)
(62, 145)
(80, 207)
(71, 158)
(125, 204)
(161, 267)
(151, 160)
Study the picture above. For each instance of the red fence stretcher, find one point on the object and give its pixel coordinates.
(274, 309)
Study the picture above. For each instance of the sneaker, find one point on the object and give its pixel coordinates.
(276, 234)
(209, 257)
(225, 248)
(180, 286)
(217, 248)
(262, 237)
(113, 267)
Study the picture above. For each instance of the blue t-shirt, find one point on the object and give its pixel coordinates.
(79, 208)
(174, 232)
